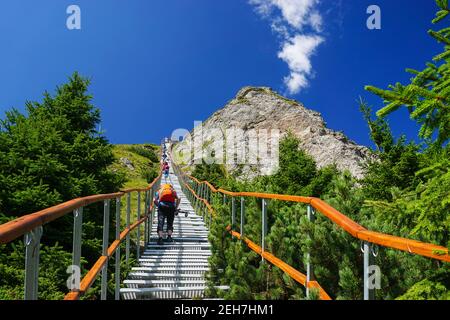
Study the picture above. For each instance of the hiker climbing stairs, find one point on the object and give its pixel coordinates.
(174, 270)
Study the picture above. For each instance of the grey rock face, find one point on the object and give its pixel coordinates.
(127, 163)
(257, 109)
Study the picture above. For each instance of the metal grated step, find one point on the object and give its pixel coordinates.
(163, 283)
(165, 276)
(173, 270)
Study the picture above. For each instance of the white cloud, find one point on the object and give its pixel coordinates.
(294, 12)
(295, 81)
(315, 19)
(290, 19)
(297, 52)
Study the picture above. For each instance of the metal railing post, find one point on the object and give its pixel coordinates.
(233, 213)
(242, 217)
(369, 290)
(32, 242)
(146, 216)
(202, 204)
(199, 193)
(155, 214)
(117, 270)
(199, 203)
(263, 227)
(309, 266)
(138, 228)
(104, 285)
(194, 198)
(210, 218)
(202, 210)
(205, 208)
(127, 241)
(151, 213)
(77, 237)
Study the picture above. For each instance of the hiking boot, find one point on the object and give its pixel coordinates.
(160, 242)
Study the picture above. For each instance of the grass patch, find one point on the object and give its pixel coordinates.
(145, 160)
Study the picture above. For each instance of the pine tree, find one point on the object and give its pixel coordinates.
(427, 97)
(51, 154)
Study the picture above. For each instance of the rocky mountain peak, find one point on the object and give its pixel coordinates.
(257, 108)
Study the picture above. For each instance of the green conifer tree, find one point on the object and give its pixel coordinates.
(427, 96)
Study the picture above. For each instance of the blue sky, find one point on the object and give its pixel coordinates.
(157, 65)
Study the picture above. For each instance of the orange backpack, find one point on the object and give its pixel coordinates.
(167, 194)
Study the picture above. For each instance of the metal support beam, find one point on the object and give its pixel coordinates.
(32, 242)
(369, 290)
(309, 266)
(138, 228)
(200, 194)
(77, 236)
(146, 216)
(196, 201)
(201, 204)
(127, 241)
(233, 213)
(104, 285)
(210, 219)
(242, 217)
(152, 192)
(117, 269)
(263, 226)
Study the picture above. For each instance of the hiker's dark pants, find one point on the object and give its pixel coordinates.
(164, 212)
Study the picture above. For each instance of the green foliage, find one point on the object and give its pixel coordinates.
(288, 235)
(144, 160)
(426, 290)
(49, 155)
(427, 96)
(336, 255)
(214, 173)
(294, 166)
(144, 151)
(57, 139)
(422, 213)
(380, 132)
(54, 261)
(405, 192)
(395, 163)
(407, 189)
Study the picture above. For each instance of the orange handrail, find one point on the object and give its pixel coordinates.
(354, 229)
(293, 273)
(13, 229)
(200, 199)
(92, 274)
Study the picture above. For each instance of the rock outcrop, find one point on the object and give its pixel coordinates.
(127, 163)
(258, 109)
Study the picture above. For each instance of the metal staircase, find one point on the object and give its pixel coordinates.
(173, 270)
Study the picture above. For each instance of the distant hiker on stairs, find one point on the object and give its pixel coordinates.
(167, 201)
(166, 169)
